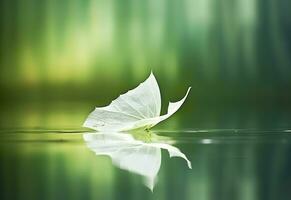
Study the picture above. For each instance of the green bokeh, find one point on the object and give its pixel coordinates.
(234, 54)
(60, 58)
(78, 50)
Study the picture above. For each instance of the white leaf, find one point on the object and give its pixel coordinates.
(132, 155)
(137, 109)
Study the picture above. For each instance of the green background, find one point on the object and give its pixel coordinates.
(78, 54)
(60, 58)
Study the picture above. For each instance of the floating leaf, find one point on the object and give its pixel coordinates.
(139, 108)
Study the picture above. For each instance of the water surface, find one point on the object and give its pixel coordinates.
(226, 164)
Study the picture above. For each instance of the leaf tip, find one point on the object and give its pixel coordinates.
(152, 74)
(189, 88)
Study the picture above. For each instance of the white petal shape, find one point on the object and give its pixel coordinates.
(130, 154)
(137, 109)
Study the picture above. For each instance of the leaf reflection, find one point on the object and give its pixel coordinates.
(136, 153)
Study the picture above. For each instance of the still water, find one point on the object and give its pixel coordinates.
(227, 164)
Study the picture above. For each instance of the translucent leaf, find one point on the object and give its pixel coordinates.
(137, 109)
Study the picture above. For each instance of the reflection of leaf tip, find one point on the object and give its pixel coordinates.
(189, 165)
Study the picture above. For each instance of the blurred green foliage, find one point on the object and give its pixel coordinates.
(235, 54)
(92, 49)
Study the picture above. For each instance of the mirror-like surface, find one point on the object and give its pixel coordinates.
(227, 164)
